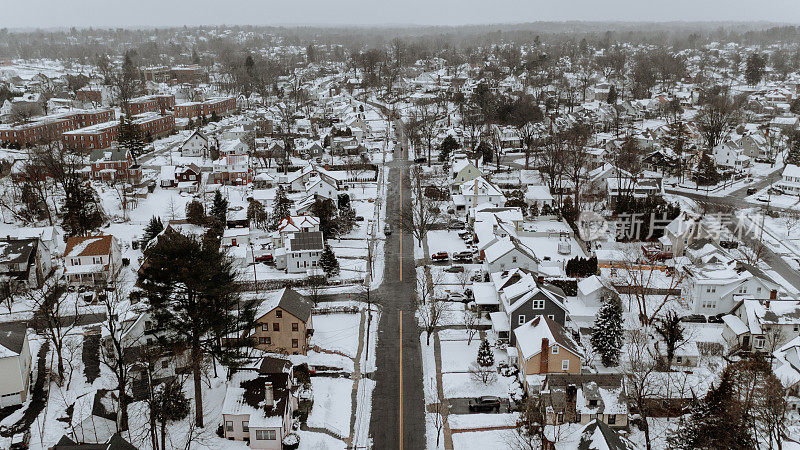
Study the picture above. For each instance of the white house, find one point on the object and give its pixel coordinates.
(790, 180)
(509, 253)
(301, 253)
(89, 260)
(731, 155)
(477, 192)
(15, 366)
(195, 145)
(713, 288)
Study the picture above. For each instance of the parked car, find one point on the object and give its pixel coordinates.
(266, 259)
(440, 256)
(421, 159)
(387, 229)
(466, 255)
(476, 278)
(456, 225)
(465, 235)
(485, 403)
(456, 297)
(359, 218)
(694, 318)
(775, 191)
(751, 191)
(717, 318)
(454, 269)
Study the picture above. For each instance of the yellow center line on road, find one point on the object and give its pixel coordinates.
(401, 380)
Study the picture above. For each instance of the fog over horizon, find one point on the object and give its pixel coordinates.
(152, 13)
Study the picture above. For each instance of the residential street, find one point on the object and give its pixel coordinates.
(396, 296)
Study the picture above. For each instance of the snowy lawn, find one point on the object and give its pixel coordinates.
(445, 241)
(457, 355)
(337, 332)
(331, 404)
(461, 385)
(318, 441)
(471, 421)
(483, 439)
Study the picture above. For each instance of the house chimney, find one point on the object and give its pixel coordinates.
(766, 304)
(544, 356)
(269, 395)
(571, 408)
(773, 294)
(540, 279)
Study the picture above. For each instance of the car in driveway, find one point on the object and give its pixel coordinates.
(484, 403)
(456, 225)
(454, 269)
(694, 318)
(751, 191)
(466, 255)
(456, 297)
(440, 256)
(266, 259)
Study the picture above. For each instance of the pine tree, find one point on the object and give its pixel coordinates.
(718, 421)
(328, 262)
(153, 228)
(195, 214)
(607, 333)
(485, 355)
(534, 210)
(280, 209)
(82, 212)
(219, 210)
(256, 214)
(612, 95)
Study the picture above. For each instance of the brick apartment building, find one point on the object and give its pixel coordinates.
(221, 105)
(158, 74)
(150, 125)
(114, 164)
(52, 126)
(92, 137)
(151, 103)
(187, 74)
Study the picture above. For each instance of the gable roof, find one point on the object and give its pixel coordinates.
(12, 339)
(596, 435)
(529, 336)
(288, 300)
(88, 246)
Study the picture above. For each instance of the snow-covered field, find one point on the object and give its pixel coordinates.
(332, 404)
(337, 332)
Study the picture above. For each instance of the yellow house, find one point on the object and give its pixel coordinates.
(283, 323)
(543, 347)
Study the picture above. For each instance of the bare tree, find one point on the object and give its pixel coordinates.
(641, 279)
(435, 409)
(642, 385)
(423, 214)
(529, 432)
(24, 112)
(429, 308)
(55, 318)
(471, 321)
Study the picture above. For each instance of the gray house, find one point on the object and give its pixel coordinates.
(522, 298)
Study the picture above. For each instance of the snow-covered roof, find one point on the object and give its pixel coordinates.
(529, 336)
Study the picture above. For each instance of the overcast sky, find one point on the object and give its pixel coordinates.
(104, 13)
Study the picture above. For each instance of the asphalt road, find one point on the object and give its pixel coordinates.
(399, 360)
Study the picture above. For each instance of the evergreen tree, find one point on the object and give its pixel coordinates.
(716, 422)
(485, 355)
(153, 228)
(670, 328)
(328, 262)
(534, 210)
(130, 138)
(607, 333)
(82, 212)
(280, 209)
(214, 116)
(219, 210)
(612, 95)
(755, 67)
(191, 288)
(448, 145)
(195, 214)
(256, 214)
(677, 138)
(707, 173)
(325, 210)
(792, 148)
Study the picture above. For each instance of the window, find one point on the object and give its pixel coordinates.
(514, 259)
(564, 364)
(278, 313)
(758, 342)
(295, 343)
(266, 435)
(538, 304)
(592, 416)
(295, 326)
(262, 340)
(521, 319)
(612, 419)
(551, 317)
(592, 402)
(264, 327)
(560, 418)
(276, 326)
(555, 349)
(228, 426)
(246, 426)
